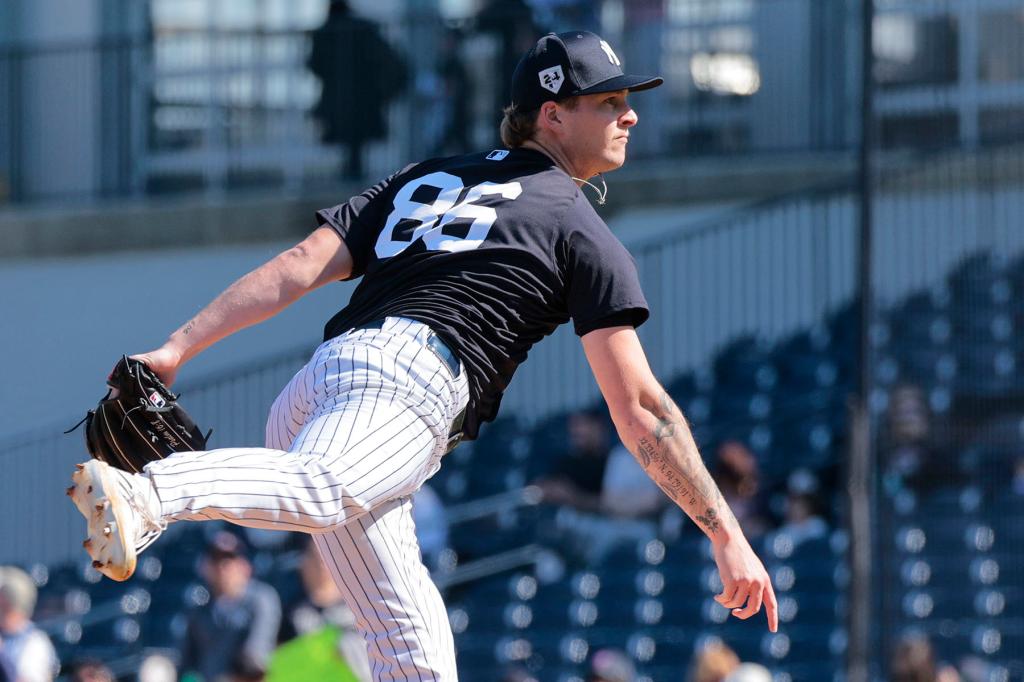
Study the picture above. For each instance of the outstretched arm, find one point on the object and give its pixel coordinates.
(653, 428)
(320, 258)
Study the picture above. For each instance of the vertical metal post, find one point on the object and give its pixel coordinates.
(860, 473)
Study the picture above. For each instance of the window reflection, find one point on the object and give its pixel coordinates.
(915, 50)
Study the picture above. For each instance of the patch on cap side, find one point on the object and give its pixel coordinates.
(552, 78)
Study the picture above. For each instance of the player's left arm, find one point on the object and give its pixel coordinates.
(653, 428)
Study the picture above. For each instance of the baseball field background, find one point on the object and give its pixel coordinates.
(825, 202)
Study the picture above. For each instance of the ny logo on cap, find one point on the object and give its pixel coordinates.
(611, 53)
(551, 79)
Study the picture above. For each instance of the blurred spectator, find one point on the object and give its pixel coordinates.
(575, 480)
(26, 646)
(456, 96)
(92, 671)
(431, 521)
(749, 672)
(360, 74)
(739, 479)
(627, 492)
(713, 663)
(232, 635)
(803, 519)
(914, 661)
(913, 458)
(511, 23)
(6, 666)
(605, 499)
(318, 631)
(157, 668)
(610, 665)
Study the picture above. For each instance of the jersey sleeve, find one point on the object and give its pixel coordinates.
(603, 284)
(359, 220)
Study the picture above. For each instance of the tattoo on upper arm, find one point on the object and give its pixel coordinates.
(189, 327)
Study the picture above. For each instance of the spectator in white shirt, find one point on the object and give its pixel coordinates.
(28, 647)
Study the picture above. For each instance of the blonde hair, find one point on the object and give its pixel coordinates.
(518, 126)
(713, 663)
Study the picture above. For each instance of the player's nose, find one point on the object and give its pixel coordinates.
(629, 118)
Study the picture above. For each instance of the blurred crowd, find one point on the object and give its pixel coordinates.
(605, 500)
(599, 500)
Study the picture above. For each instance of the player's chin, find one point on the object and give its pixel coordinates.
(614, 158)
(614, 162)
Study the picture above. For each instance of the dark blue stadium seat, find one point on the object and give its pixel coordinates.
(746, 363)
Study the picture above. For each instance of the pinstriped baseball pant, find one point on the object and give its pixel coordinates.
(349, 439)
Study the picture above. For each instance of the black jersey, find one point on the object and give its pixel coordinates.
(493, 251)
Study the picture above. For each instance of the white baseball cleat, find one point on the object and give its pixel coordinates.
(123, 514)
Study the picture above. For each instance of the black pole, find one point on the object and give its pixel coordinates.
(860, 481)
(864, 270)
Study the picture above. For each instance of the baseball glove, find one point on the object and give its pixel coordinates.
(139, 420)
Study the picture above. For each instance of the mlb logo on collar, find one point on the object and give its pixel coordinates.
(497, 155)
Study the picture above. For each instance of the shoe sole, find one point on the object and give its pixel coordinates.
(96, 495)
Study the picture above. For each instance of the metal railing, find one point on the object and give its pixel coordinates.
(216, 110)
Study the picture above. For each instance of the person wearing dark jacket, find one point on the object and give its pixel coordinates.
(360, 74)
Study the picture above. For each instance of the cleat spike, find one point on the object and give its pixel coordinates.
(89, 490)
(70, 491)
(97, 565)
(87, 543)
(79, 467)
(106, 530)
(102, 505)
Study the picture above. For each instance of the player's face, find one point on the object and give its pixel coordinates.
(598, 132)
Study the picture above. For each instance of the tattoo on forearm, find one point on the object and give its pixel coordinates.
(685, 479)
(709, 520)
(189, 327)
(646, 452)
(669, 478)
(666, 428)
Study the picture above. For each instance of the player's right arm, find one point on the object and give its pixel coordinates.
(320, 258)
(655, 431)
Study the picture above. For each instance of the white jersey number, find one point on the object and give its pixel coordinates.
(414, 219)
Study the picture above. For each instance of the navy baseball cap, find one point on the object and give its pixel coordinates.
(567, 64)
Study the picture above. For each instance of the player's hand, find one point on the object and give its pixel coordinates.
(164, 361)
(745, 581)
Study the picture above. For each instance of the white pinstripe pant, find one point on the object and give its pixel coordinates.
(350, 438)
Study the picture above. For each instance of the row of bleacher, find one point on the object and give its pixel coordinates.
(952, 555)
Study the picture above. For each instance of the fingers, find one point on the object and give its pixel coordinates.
(735, 595)
(753, 606)
(771, 608)
(754, 594)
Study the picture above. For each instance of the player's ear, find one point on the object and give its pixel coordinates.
(549, 114)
